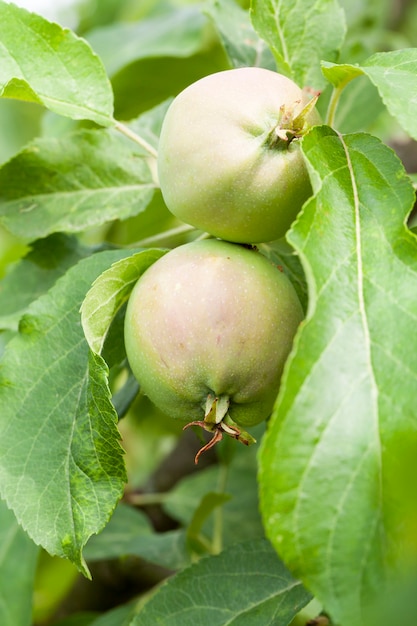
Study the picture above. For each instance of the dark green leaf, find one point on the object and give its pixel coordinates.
(125, 395)
(243, 45)
(245, 585)
(114, 352)
(48, 260)
(42, 62)
(61, 464)
(129, 532)
(283, 255)
(69, 184)
(119, 616)
(337, 498)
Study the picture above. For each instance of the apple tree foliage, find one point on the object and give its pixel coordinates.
(321, 515)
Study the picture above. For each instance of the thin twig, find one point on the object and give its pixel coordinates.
(146, 499)
(136, 138)
(334, 101)
(217, 541)
(167, 234)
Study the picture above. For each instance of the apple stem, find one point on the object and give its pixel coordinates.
(279, 138)
(218, 421)
(216, 408)
(290, 126)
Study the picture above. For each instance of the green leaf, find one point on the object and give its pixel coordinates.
(335, 466)
(367, 16)
(85, 179)
(18, 557)
(179, 32)
(61, 464)
(294, 31)
(129, 532)
(394, 74)
(398, 607)
(109, 292)
(48, 259)
(119, 616)
(243, 45)
(157, 79)
(42, 62)
(340, 75)
(246, 584)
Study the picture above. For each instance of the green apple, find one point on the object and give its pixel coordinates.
(208, 329)
(229, 159)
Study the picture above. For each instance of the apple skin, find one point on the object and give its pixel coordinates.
(216, 166)
(211, 317)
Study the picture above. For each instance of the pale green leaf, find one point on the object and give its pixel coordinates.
(336, 464)
(243, 45)
(109, 292)
(69, 184)
(394, 74)
(360, 108)
(339, 75)
(179, 32)
(245, 585)
(295, 33)
(61, 464)
(18, 557)
(370, 15)
(42, 62)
